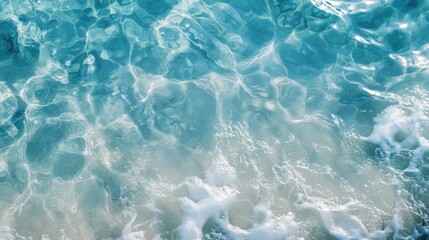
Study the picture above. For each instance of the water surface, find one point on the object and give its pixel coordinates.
(187, 119)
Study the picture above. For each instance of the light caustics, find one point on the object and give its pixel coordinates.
(202, 119)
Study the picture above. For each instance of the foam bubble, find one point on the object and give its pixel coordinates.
(403, 127)
(344, 226)
(207, 202)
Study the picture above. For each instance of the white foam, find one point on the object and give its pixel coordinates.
(128, 234)
(408, 119)
(6, 232)
(204, 201)
(390, 122)
(271, 228)
(221, 173)
(212, 198)
(344, 226)
(134, 236)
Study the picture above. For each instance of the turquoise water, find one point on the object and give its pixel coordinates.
(203, 119)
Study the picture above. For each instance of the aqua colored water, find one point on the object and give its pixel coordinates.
(203, 119)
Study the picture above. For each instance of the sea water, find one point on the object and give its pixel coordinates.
(204, 119)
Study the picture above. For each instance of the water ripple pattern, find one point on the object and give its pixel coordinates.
(204, 119)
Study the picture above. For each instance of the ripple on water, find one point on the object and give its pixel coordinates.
(8, 40)
(68, 165)
(187, 66)
(176, 111)
(151, 58)
(41, 91)
(214, 119)
(398, 41)
(12, 117)
(18, 54)
(157, 8)
(259, 84)
(291, 97)
(373, 19)
(308, 56)
(44, 141)
(367, 54)
(32, 218)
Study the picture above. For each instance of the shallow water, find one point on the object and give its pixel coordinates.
(187, 119)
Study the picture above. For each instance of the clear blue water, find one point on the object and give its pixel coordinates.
(203, 119)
